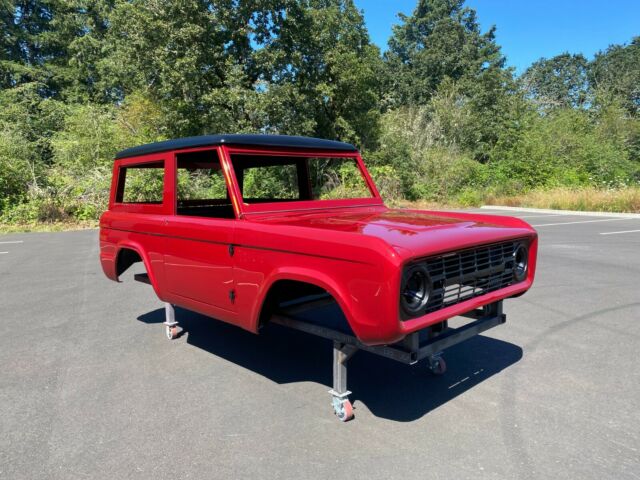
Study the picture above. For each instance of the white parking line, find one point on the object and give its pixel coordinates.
(516, 214)
(538, 216)
(615, 233)
(502, 213)
(3, 252)
(562, 212)
(583, 221)
(13, 241)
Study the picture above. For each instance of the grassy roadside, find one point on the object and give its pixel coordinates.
(625, 200)
(46, 226)
(582, 199)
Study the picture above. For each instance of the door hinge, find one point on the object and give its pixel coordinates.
(232, 296)
(232, 250)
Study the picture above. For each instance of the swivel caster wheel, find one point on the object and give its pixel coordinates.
(343, 409)
(437, 365)
(171, 332)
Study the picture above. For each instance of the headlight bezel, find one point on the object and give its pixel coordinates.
(520, 262)
(417, 273)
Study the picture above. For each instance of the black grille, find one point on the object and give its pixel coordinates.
(466, 274)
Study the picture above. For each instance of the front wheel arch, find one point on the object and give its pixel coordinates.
(291, 283)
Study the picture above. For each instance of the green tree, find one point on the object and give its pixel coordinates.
(615, 74)
(440, 52)
(174, 51)
(442, 38)
(557, 82)
(23, 25)
(186, 56)
(87, 25)
(322, 73)
(45, 41)
(285, 66)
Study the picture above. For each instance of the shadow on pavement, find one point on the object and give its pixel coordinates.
(389, 389)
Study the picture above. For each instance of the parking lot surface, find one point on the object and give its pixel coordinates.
(91, 388)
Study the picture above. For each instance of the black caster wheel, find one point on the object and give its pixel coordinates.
(437, 366)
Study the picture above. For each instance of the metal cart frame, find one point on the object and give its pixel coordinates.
(424, 344)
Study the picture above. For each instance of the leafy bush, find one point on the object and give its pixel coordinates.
(337, 179)
(386, 179)
(16, 167)
(427, 162)
(74, 182)
(564, 148)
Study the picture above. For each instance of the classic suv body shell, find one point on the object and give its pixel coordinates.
(353, 249)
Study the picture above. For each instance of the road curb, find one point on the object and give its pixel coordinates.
(562, 212)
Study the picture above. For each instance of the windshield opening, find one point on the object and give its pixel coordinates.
(269, 179)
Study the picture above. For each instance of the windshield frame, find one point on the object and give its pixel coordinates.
(297, 205)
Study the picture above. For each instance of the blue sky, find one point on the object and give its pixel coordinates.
(530, 29)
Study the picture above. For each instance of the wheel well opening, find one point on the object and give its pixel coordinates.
(323, 308)
(126, 258)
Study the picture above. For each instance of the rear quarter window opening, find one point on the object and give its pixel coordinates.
(141, 183)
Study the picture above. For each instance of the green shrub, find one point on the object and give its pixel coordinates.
(470, 197)
(16, 167)
(387, 180)
(564, 148)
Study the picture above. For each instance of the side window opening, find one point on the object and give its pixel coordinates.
(201, 188)
(141, 183)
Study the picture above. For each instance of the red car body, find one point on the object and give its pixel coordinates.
(354, 249)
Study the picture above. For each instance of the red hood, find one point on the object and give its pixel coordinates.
(411, 232)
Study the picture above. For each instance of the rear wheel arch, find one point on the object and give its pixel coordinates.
(128, 255)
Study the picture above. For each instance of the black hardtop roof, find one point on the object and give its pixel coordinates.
(237, 139)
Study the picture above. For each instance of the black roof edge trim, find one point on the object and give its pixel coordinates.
(237, 139)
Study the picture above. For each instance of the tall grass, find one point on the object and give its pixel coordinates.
(585, 199)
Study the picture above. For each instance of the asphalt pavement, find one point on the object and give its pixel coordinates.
(91, 388)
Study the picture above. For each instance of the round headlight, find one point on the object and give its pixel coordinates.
(520, 263)
(415, 290)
